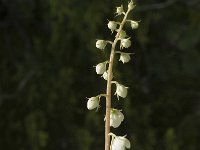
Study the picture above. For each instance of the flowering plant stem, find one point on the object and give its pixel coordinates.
(108, 90)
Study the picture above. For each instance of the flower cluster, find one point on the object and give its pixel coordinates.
(105, 70)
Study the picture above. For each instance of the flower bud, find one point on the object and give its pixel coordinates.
(134, 24)
(93, 103)
(124, 57)
(122, 34)
(125, 43)
(120, 143)
(101, 68)
(131, 5)
(121, 90)
(120, 10)
(101, 44)
(112, 25)
(116, 117)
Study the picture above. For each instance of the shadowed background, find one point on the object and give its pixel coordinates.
(47, 54)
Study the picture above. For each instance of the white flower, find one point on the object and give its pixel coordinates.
(131, 5)
(125, 43)
(122, 34)
(134, 24)
(120, 10)
(125, 57)
(112, 25)
(101, 68)
(93, 102)
(116, 117)
(105, 75)
(101, 44)
(121, 90)
(119, 142)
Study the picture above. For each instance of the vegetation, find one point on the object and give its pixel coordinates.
(46, 51)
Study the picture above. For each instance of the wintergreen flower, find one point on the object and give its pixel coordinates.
(101, 67)
(120, 10)
(116, 117)
(122, 34)
(125, 57)
(134, 24)
(131, 5)
(125, 43)
(101, 44)
(119, 142)
(93, 102)
(112, 25)
(121, 90)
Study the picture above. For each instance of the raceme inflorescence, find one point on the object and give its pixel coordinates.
(114, 117)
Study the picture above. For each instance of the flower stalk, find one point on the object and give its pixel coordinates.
(109, 79)
(114, 117)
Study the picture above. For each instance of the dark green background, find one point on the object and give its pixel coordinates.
(47, 54)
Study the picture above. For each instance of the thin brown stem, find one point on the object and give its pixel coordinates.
(108, 90)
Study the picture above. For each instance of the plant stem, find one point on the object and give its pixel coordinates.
(108, 90)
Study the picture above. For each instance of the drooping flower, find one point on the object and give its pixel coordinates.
(134, 24)
(93, 102)
(116, 117)
(119, 142)
(125, 57)
(122, 34)
(101, 44)
(120, 10)
(112, 25)
(105, 75)
(131, 5)
(101, 67)
(121, 90)
(125, 43)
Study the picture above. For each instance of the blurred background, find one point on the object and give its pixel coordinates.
(47, 54)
